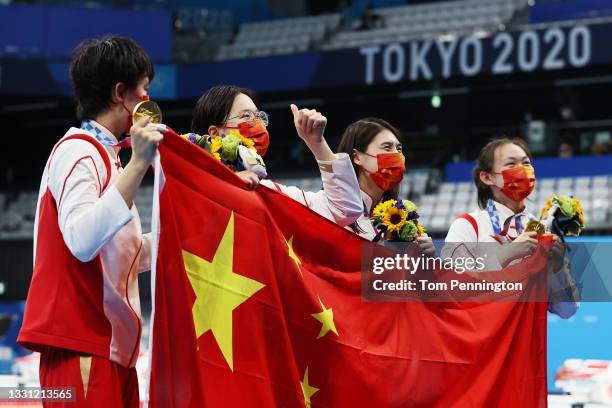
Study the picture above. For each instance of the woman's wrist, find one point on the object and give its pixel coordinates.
(138, 165)
(321, 150)
(502, 257)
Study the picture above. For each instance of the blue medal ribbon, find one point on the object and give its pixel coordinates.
(98, 133)
(495, 221)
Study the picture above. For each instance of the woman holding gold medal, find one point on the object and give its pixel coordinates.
(504, 177)
(82, 312)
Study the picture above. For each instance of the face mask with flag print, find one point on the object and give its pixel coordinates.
(391, 169)
(519, 182)
(255, 130)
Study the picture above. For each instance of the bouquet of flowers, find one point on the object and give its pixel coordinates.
(563, 215)
(398, 220)
(232, 149)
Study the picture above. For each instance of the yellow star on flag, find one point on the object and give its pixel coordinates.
(326, 317)
(218, 292)
(293, 255)
(307, 389)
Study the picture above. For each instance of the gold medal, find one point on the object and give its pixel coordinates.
(536, 226)
(147, 108)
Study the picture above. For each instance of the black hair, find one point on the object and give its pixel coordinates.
(99, 64)
(214, 106)
(485, 162)
(358, 135)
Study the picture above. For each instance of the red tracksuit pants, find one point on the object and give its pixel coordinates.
(96, 381)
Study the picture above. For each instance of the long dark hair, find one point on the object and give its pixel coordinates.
(358, 135)
(214, 106)
(485, 162)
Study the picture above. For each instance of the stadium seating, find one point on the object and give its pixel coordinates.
(279, 37)
(399, 24)
(17, 215)
(437, 209)
(425, 21)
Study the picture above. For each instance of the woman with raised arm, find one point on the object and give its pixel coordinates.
(227, 110)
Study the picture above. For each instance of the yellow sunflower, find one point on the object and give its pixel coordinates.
(215, 147)
(544, 211)
(395, 219)
(234, 132)
(381, 209)
(247, 142)
(420, 229)
(579, 211)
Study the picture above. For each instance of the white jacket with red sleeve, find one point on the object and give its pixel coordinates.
(470, 229)
(340, 199)
(88, 251)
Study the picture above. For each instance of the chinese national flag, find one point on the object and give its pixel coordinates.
(258, 304)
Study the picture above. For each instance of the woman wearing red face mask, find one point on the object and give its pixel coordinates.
(224, 108)
(504, 178)
(379, 163)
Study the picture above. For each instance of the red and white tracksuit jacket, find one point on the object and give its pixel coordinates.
(470, 229)
(88, 251)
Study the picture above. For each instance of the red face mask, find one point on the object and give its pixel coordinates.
(519, 182)
(129, 123)
(257, 131)
(391, 169)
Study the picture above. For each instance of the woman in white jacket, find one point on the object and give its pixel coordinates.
(227, 107)
(504, 177)
(376, 151)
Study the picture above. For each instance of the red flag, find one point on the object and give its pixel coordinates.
(258, 304)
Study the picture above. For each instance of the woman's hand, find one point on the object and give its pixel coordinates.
(145, 137)
(310, 126)
(556, 255)
(249, 177)
(309, 123)
(426, 245)
(522, 246)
